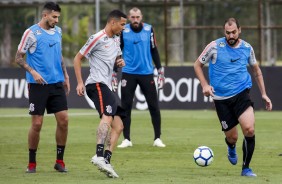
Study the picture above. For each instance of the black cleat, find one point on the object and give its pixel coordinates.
(60, 166)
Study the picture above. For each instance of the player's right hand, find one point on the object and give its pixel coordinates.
(161, 78)
(208, 90)
(80, 89)
(37, 77)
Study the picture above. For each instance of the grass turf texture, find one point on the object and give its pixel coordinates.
(182, 132)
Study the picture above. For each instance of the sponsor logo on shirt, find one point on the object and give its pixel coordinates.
(38, 32)
(126, 30)
(135, 42)
(221, 44)
(147, 28)
(247, 45)
(52, 44)
(234, 60)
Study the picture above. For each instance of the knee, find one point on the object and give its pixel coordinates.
(232, 139)
(63, 123)
(249, 131)
(36, 126)
(119, 128)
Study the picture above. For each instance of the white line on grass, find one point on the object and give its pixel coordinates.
(70, 114)
(27, 115)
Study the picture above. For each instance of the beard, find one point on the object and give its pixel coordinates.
(232, 41)
(50, 25)
(135, 24)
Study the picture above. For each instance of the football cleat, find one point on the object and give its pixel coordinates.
(158, 143)
(60, 166)
(103, 167)
(31, 168)
(232, 156)
(125, 143)
(248, 172)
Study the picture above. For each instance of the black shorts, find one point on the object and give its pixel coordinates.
(104, 100)
(49, 96)
(229, 110)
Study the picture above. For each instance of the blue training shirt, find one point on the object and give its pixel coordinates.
(47, 58)
(228, 73)
(137, 51)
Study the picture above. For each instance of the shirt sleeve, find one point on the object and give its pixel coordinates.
(27, 42)
(252, 58)
(90, 45)
(209, 53)
(154, 50)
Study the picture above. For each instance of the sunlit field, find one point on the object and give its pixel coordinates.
(182, 132)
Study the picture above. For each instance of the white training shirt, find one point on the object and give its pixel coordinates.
(101, 51)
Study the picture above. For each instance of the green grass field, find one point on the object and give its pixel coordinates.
(182, 132)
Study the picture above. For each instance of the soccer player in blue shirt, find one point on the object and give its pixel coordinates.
(139, 48)
(230, 83)
(48, 81)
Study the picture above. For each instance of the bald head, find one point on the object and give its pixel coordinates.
(231, 21)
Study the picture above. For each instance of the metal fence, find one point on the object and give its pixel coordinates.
(184, 27)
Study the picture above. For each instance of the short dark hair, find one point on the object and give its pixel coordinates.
(116, 14)
(52, 6)
(230, 20)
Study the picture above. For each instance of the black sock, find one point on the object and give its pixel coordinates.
(107, 156)
(60, 152)
(32, 155)
(248, 150)
(156, 121)
(100, 150)
(232, 146)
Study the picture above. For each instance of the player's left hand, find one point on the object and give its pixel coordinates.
(268, 103)
(161, 78)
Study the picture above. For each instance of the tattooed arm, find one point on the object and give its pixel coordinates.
(22, 63)
(67, 81)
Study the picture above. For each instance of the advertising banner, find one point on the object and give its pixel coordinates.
(182, 90)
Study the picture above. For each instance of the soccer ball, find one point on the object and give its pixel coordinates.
(203, 156)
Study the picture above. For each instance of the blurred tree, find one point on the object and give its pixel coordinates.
(15, 21)
(78, 23)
